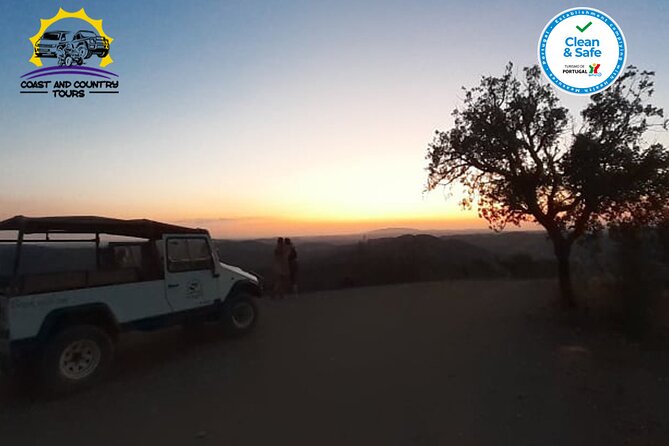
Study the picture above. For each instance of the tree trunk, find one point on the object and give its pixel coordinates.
(562, 252)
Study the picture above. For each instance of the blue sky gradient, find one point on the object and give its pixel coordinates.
(273, 111)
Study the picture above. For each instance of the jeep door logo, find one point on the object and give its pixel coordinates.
(67, 55)
(194, 290)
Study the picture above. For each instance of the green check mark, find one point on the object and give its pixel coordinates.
(584, 28)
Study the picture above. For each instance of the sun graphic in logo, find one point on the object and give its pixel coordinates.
(85, 46)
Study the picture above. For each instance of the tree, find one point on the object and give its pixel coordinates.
(515, 150)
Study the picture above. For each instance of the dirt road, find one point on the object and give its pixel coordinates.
(461, 363)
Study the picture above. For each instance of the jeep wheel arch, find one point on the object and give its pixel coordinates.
(244, 286)
(90, 314)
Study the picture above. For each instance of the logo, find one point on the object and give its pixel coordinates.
(582, 51)
(594, 69)
(194, 290)
(71, 51)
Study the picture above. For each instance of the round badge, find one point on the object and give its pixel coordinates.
(582, 51)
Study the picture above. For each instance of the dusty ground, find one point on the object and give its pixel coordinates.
(461, 363)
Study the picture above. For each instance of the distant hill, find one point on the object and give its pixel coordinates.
(342, 239)
(392, 232)
(533, 243)
(407, 258)
(396, 232)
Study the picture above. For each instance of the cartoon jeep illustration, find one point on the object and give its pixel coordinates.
(78, 45)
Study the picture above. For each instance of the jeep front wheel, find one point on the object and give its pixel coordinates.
(83, 51)
(75, 358)
(240, 314)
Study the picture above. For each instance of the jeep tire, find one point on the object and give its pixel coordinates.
(75, 358)
(83, 51)
(240, 314)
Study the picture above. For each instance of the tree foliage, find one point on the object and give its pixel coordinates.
(516, 151)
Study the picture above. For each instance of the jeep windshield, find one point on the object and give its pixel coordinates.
(52, 36)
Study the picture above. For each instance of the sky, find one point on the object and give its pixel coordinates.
(256, 118)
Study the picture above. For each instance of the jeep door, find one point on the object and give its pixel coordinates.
(190, 279)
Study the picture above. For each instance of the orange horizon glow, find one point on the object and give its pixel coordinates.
(233, 213)
(261, 227)
(238, 219)
(273, 227)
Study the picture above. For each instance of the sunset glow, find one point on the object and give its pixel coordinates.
(308, 118)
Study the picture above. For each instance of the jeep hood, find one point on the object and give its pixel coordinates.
(241, 272)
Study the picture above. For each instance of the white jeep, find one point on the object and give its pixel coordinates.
(65, 299)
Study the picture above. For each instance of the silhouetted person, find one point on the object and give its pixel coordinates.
(281, 271)
(292, 264)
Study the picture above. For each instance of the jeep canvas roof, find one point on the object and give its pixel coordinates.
(141, 228)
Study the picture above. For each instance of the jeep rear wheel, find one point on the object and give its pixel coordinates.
(240, 315)
(75, 358)
(80, 359)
